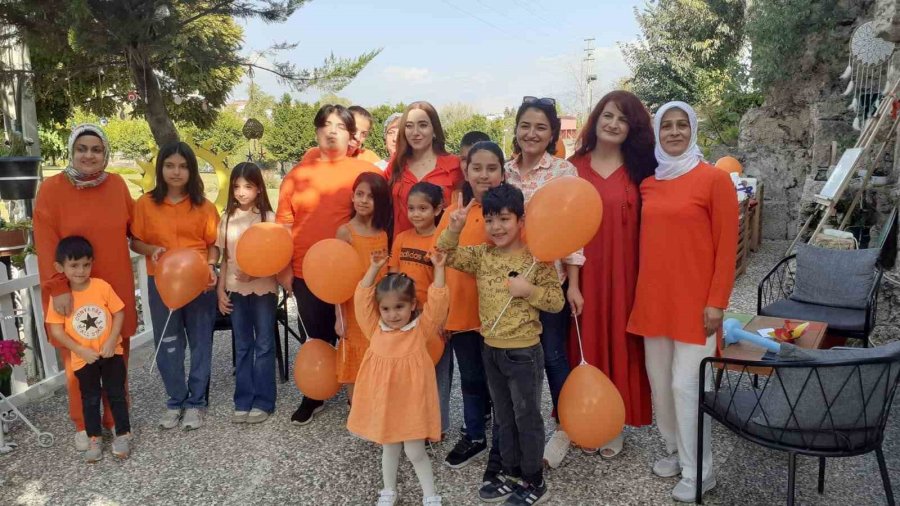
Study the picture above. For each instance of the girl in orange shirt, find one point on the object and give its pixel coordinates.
(176, 214)
(366, 232)
(409, 256)
(397, 405)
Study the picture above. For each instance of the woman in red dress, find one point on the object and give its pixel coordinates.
(615, 155)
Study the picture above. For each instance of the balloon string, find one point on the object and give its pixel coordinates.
(343, 334)
(497, 320)
(161, 336)
(580, 348)
(299, 317)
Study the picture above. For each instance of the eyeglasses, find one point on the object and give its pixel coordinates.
(534, 100)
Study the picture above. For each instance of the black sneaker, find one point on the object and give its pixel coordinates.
(497, 488)
(308, 408)
(464, 451)
(528, 495)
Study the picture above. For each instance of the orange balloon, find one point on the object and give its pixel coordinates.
(591, 409)
(730, 164)
(264, 249)
(332, 269)
(561, 217)
(315, 370)
(435, 347)
(181, 275)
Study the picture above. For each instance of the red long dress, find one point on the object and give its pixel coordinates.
(608, 280)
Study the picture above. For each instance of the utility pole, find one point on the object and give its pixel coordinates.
(589, 68)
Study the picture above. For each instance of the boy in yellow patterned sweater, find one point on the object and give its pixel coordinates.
(512, 354)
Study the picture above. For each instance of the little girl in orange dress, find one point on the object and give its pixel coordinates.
(397, 401)
(367, 233)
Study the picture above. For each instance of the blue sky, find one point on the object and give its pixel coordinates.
(486, 53)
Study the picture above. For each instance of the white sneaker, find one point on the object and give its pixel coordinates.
(239, 417)
(686, 490)
(170, 418)
(433, 500)
(192, 419)
(386, 498)
(556, 448)
(82, 441)
(667, 467)
(257, 416)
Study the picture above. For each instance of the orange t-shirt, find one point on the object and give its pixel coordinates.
(689, 231)
(463, 290)
(409, 255)
(314, 200)
(446, 174)
(314, 153)
(91, 320)
(172, 226)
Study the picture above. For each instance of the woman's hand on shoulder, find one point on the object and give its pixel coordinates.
(62, 303)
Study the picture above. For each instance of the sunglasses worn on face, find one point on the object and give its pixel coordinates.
(534, 100)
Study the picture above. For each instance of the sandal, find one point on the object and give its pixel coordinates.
(613, 448)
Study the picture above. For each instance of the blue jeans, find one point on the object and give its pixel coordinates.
(467, 346)
(253, 326)
(444, 372)
(191, 325)
(553, 341)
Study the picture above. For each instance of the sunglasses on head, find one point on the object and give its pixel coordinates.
(535, 100)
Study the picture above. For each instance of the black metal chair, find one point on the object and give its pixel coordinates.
(834, 407)
(773, 298)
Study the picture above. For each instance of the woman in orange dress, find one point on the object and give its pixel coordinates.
(689, 230)
(397, 405)
(367, 233)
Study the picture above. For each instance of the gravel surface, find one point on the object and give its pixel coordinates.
(321, 464)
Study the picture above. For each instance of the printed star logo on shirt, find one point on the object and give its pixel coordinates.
(90, 321)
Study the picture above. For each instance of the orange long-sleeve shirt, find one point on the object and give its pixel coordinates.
(689, 230)
(103, 216)
(445, 174)
(314, 200)
(463, 288)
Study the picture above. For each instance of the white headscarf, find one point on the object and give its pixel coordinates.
(670, 166)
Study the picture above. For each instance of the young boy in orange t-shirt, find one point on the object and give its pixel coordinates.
(92, 334)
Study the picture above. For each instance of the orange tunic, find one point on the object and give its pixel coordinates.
(353, 346)
(463, 290)
(446, 174)
(409, 255)
(314, 153)
(102, 215)
(396, 396)
(175, 225)
(315, 200)
(689, 230)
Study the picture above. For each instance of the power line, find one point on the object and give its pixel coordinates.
(471, 15)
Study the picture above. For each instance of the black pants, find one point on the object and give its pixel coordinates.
(516, 379)
(318, 315)
(104, 375)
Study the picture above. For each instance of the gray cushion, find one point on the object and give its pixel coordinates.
(840, 278)
(856, 394)
(838, 318)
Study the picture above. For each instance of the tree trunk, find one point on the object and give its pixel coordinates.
(155, 112)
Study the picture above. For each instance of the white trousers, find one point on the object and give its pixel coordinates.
(674, 371)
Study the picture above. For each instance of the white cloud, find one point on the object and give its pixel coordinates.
(412, 75)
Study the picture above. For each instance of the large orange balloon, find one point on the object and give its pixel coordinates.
(264, 249)
(315, 370)
(730, 164)
(591, 409)
(332, 269)
(561, 217)
(181, 275)
(435, 347)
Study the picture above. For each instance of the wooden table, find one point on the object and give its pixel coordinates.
(742, 350)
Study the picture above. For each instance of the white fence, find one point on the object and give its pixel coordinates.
(31, 330)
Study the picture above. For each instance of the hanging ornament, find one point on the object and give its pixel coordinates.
(132, 96)
(867, 73)
(253, 129)
(204, 105)
(177, 99)
(104, 121)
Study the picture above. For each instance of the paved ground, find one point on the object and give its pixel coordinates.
(276, 463)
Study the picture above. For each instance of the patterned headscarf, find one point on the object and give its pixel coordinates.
(670, 166)
(79, 180)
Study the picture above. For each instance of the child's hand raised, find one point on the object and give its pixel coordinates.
(379, 258)
(459, 215)
(438, 257)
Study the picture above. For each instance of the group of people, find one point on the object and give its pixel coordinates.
(448, 269)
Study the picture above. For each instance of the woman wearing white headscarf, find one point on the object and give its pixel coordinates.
(689, 229)
(86, 200)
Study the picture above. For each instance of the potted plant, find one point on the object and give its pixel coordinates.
(13, 237)
(11, 354)
(19, 173)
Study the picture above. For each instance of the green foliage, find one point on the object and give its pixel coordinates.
(779, 30)
(131, 138)
(53, 143)
(375, 142)
(460, 127)
(225, 133)
(292, 131)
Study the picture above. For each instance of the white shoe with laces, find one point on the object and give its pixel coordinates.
(82, 441)
(686, 490)
(386, 498)
(556, 448)
(668, 466)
